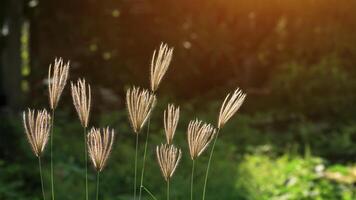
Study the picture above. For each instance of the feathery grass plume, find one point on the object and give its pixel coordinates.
(230, 106)
(159, 65)
(37, 126)
(140, 103)
(81, 95)
(100, 143)
(37, 131)
(171, 118)
(168, 157)
(57, 80)
(199, 136)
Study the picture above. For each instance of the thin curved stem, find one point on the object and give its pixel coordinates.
(135, 176)
(52, 135)
(168, 181)
(192, 181)
(97, 184)
(150, 193)
(40, 168)
(86, 163)
(209, 162)
(144, 158)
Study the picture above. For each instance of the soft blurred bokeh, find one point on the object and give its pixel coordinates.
(294, 138)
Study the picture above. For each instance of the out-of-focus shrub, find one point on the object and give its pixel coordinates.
(289, 177)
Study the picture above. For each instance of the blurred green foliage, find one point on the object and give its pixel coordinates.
(294, 138)
(289, 177)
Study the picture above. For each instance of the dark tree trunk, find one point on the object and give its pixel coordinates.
(10, 60)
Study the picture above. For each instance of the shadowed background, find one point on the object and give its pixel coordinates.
(294, 137)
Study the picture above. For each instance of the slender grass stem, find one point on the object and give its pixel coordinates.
(97, 184)
(86, 163)
(150, 193)
(168, 182)
(144, 158)
(209, 162)
(192, 181)
(52, 135)
(135, 176)
(40, 168)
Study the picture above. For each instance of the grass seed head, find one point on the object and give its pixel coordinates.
(100, 143)
(37, 126)
(168, 157)
(159, 65)
(171, 118)
(199, 137)
(81, 94)
(57, 80)
(230, 106)
(140, 103)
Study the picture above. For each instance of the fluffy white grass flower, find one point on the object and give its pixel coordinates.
(159, 65)
(37, 125)
(100, 143)
(140, 103)
(57, 80)
(168, 157)
(199, 137)
(81, 94)
(230, 106)
(171, 118)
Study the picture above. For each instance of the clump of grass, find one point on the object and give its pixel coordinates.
(140, 104)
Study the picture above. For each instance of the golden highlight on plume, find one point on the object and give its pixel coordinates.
(57, 80)
(199, 136)
(100, 143)
(37, 125)
(81, 94)
(159, 65)
(230, 106)
(140, 103)
(168, 157)
(171, 118)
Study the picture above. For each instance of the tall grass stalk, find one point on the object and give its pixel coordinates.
(144, 158)
(135, 176)
(40, 169)
(168, 182)
(192, 181)
(149, 192)
(86, 163)
(97, 184)
(209, 163)
(52, 135)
